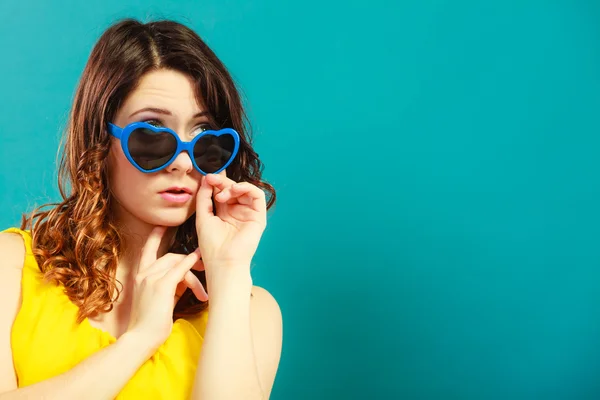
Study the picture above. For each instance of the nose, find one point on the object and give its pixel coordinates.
(182, 162)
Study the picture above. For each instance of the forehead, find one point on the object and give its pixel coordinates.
(166, 89)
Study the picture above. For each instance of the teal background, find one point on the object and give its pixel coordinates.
(436, 235)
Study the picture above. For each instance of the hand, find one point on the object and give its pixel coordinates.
(230, 236)
(159, 283)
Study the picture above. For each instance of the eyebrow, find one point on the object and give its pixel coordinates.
(166, 112)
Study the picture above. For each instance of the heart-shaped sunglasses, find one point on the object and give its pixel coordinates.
(150, 148)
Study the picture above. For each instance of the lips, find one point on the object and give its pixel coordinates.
(177, 190)
(177, 194)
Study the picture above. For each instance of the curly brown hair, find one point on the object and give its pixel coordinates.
(76, 242)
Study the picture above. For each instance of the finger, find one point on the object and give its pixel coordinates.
(150, 249)
(166, 263)
(176, 274)
(240, 189)
(248, 194)
(199, 266)
(243, 213)
(219, 182)
(246, 200)
(204, 204)
(230, 192)
(182, 286)
(195, 285)
(170, 261)
(234, 199)
(163, 264)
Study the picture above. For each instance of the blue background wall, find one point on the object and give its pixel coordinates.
(437, 230)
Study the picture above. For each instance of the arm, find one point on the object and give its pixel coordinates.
(116, 363)
(13, 254)
(242, 342)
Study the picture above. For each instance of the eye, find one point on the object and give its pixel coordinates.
(154, 122)
(201, 128)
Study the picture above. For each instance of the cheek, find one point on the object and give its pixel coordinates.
(124, 178)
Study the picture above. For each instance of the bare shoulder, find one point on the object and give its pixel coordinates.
(12, 255)
(265, 304)
(267, 335)
(12, 252)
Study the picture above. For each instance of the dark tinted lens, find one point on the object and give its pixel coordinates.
(212, 152)
(151, 149)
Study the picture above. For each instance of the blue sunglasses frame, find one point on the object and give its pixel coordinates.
(123, 135)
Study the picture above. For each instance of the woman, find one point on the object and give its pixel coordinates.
(105, 295)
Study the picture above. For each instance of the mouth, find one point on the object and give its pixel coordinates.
(178, 190)
(176, 194)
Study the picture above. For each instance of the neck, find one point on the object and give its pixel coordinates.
(134, 233)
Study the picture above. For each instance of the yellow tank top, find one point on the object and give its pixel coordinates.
(46, 340)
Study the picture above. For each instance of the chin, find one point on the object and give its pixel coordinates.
(172, 217)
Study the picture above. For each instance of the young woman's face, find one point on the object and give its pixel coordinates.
(163, 98)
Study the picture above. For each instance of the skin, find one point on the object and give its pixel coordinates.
(242, 342)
